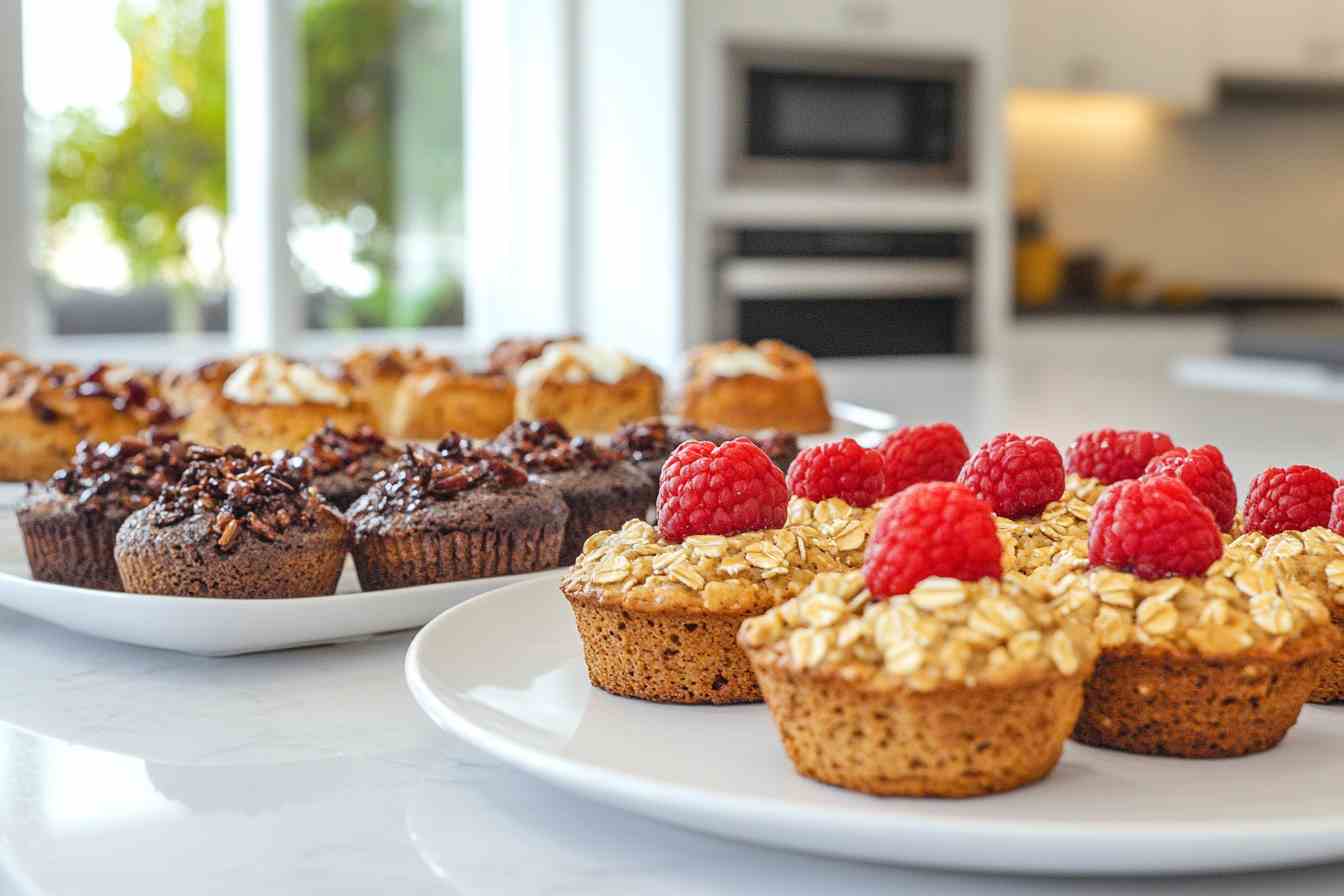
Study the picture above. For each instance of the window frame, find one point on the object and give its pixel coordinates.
(518, 155)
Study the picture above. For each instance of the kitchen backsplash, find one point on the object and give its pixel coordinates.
(1240, 196)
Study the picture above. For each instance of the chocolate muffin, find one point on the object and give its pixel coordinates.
(451, 514)
(70, 522)
(649, 443)
(601, 490)
(235, 525)
(344, 464)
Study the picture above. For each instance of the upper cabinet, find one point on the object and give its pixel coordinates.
(1161, 49)
(1280, 39)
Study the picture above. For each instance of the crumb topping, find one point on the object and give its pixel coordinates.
(124, 475)
(732, 574)
(1247, 603)
(544, 446)
(945, 633)
(238, 491)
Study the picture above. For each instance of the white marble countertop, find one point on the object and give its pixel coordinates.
(127, 770)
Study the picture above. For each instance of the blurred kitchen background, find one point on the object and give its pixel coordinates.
(1051, 179)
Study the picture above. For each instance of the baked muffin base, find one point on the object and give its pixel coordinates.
(403, 559)
(72, 548)
(952, 742)
(1330, 686)
(1169, 705)
(665, 657)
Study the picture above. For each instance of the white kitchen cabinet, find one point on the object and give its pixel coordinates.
(1160, 49)
(1280, 39)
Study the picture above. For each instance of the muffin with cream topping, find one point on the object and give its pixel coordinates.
(346, 463)
(770, 385)
(658, 611)
(928, 673)
(601, 490)
(235, 525)
(1206, 652)
(378, 372)
(454, 513)
(69, 523)
(590, 391)
(186, 389)
(271, 403)
(431, 402)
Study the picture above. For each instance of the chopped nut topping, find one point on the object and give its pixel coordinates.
(544, 446)
(741, 573)
(122, 476)
(422, 475)
(330, 450)
(946, 633)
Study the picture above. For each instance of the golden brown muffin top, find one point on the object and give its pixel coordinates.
(271, 379)
(578, 362)
(1314, 558)
(945, 633)
(720, 574)
(52, 392)
(1246, 604)
(848, 526)
(394, 362)
(768, 358)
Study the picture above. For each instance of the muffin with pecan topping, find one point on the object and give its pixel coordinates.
(454, 513)
(70, 522)
(345, 463)
(649, 443)
(235, 525)
(601, 490)
(1205, 662)
(47, 410)
(958, 689)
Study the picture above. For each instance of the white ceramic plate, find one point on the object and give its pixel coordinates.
(505, 672)
(218, 627)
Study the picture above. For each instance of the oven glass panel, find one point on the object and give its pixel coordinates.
(808, 115)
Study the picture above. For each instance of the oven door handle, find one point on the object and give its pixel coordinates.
(820, 278)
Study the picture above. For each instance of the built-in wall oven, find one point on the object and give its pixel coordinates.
(797, 116)
(838, 292)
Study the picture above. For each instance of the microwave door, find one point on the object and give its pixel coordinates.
(746, 279)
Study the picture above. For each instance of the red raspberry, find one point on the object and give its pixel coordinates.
(1206, 474)
(1153, 527)
(720, 490)
(1337, 511)
(931, 529)
(843, 469)
(932, 453)
(1284, 498)
(1111, 455)
(1017, 476)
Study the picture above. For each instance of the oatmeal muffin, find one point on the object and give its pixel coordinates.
(271, 403)
(69, 523)
(848, 527)
(431, 402)
(454, 513)
(235, 525)
(601, 490)
(649, 443)
(959, 689)
(47, 410)
(659, 619)
(770, 385)
(1313, 559)
(590, 391)
(345, 464)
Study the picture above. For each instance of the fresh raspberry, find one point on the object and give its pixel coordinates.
(1018, 476)
(843, 469)
(931, 529)
(1203, 470)
(1337, 511)
(932, 453)
(1153, 527)
(1284, 498)
(706, 489)
(1111, 455)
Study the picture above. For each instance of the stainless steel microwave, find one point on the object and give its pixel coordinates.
(835, 118)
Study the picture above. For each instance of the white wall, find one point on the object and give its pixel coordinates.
(16, 275)
(1237, 197)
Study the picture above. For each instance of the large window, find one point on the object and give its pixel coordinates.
(128, 132)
